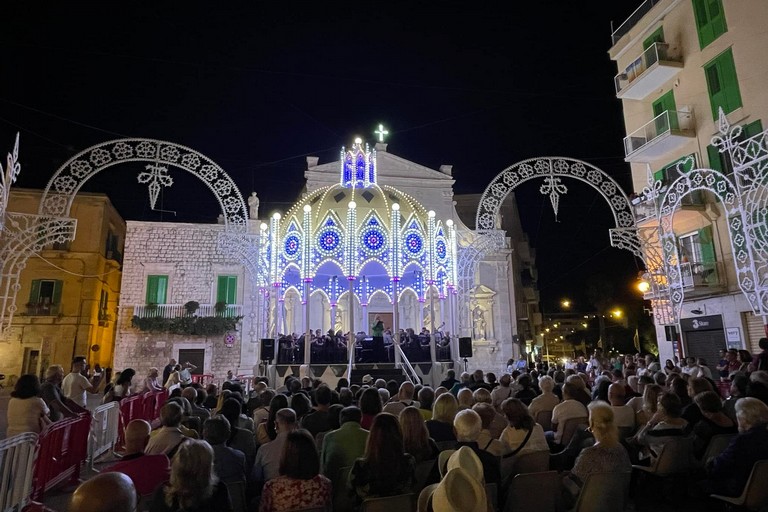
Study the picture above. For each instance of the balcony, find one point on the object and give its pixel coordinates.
(665, 133)
(179, 311)
(635, 17)
(42, 309)
(702, 277)
(648, 72)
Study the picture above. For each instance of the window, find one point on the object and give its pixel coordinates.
(104, 306)
(666, 103)
(670, 172)
(656, 37)
(722, 161)
(45, 297)
(111, 245)
(226, 289)
(157, 288)
(697, 257)
(722, 83)
(710, 20)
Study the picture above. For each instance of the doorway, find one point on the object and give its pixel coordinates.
(31, 361)
(196, 356)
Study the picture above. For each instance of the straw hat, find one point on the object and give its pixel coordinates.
(367, 379)
(464, 458)
(458, 491)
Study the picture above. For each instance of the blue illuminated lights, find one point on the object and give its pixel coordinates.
(329, 240)
(441, 249)
(414, 243)
(292, 245)
(373, 240)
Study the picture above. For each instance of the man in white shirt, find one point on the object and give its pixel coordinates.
(267, 465)
(623, 415)
(75, 385)
(565, 410)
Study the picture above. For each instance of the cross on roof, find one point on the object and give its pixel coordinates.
(381, 132)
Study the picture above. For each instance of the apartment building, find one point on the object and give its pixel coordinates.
(66, 303)
(679, 62)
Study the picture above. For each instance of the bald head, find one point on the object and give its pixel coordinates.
(106, 492)
(190, 394)
(616, 394)
(136, 436)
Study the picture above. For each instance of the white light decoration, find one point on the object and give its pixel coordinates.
(381, 132)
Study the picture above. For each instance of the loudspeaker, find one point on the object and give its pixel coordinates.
(267, 349)
(465, 347)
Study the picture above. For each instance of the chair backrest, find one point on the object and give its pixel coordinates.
(522, 498)
(625, 432)
(717, 445)
(756, 491)
(422, 472)
(530, 462)
(675, 457)
(569, 428)
(342, 492)
(446, 445)
(544, 418)
(604, 492)
(237, 496)
(401, 502)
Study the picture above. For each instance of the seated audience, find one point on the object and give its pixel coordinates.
(691, 412)
(196, 411)
(648, 403)
(151, 382)
(343, 446)
(300, 484)
(623, 415)
(440, 427)
(523, 434)
(714, 422)
(193, 486)
(468, 425)
(404, 399)
(27, 412)
(169, 437)
(547, 400)
(466, 398)
(105, 492)
(265, 431)
(664, 425)
(370, 406)
(240, 439)
(146, 471)
(527, 393)
(260, 412)
(568, 409)
(416, 440)
(267, 465)
(487, 440)
(385, 470)
(499, 423)
(228, 463)
(318, 419)
(729, 471)
(606, 455)
(502, 391)
(426, 397)
(738, 391)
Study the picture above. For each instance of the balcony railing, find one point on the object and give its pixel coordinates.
(664, 133)
(648, 72)
(630, 22)
(178, 311)
(42, 309)
(702, 275)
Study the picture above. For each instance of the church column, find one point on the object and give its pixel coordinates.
(334, 295)
(432, 339)
(364, 303)
(351, 339)
(350, 260)
(396, 256)
(396, 318)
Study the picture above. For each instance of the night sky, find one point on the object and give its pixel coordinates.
(259, 88)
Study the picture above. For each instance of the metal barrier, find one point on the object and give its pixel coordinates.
(104, 431)
(202, 378)
(153, 402)
(17, 458)
(138, 407)
(62, 448)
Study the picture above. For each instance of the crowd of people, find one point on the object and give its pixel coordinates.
(305, 444)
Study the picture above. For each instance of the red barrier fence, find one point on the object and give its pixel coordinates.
(138, 407)
(62, 448)
(202, 379)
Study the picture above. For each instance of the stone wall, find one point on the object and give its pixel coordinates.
(189, 255)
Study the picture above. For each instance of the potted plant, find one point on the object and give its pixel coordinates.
(191, 307)
(220, 307)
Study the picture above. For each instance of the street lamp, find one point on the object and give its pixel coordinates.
(565, 303)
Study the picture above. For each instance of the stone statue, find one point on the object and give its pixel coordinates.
(253, 206)
(478, 323)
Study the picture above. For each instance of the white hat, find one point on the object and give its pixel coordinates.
(464, 458)
(459, 491)
(367, 379)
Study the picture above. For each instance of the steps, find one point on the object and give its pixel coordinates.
(386, 371)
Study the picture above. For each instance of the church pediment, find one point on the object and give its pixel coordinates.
(482, 292)
(391, 169)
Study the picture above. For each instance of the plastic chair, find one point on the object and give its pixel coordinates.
(716, 446)
(569, 428)
(604, 492)
(237, 495)
(422, 472)
(401, 502)
(521, 496)
(531, 462)
(755, 493)
(674, 459)
(544, 418)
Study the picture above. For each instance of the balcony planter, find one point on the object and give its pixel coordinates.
(220, 307)
(191, 307)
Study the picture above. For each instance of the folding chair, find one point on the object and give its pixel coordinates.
(604, 492)
(755, 493)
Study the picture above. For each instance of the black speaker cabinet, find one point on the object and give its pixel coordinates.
(267, 349)
(465, 347)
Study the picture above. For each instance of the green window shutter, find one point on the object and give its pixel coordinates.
(752, 129)
(665, 103)
(656, 37)
(34, 293)
(710, 20)
(715, 161)
(707, 244)
(157, 287)
(722, 83)
(226, 289)
(57, 286)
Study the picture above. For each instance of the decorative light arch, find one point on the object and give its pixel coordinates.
(159, 155)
